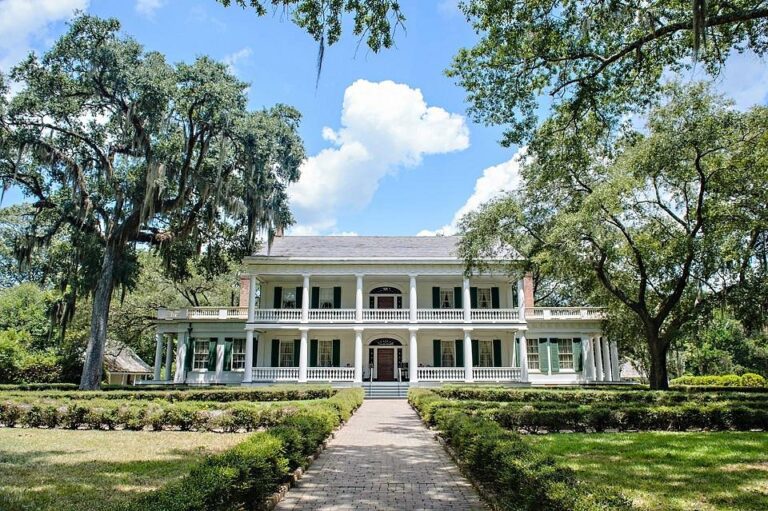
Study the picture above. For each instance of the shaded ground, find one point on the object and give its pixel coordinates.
(671, 471)
(54, 469)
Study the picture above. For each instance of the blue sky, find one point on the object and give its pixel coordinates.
(391, 149)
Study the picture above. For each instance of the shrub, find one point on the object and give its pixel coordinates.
(727, 380)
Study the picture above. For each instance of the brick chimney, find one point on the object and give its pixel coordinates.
(528, 290)
(245, 287)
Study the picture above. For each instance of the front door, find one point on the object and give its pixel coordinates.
(385, 364)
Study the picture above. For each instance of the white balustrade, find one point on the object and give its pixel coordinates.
(332, 315)
(499, 374)
(565, 313)
(495, 315)
(441, 373)
(331, 373)
(440, 315)
(277, 315)
(276, 373)
(386, 315)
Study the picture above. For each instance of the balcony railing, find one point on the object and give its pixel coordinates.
(386, 315)
(495, 315)
(332, 315)
(564, 313)
(441, 373)
(440, 315)
(500, 374)
(277, 315)
(275, 374)
(330, 373)
(213, 313)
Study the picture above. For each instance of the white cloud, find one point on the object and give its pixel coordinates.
(147, 8)
(232, 59)
(26, 23)
(494, 182)
(385, 126)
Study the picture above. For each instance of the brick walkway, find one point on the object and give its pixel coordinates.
(383, 459)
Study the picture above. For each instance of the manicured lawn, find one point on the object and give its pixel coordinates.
(54, 469)
(671, 471)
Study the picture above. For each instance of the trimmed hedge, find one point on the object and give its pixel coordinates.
(726, 380)
(514, 474)
(244, 476)
(37, 386)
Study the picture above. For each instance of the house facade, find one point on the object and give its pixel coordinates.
(356, 309)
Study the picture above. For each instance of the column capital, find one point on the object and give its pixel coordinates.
(303, 329)
(413, 275)
(467, 329)
(413, 329)
(306, 275)
(358, 329)
(359, 275)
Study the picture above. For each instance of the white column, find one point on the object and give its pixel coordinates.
(305, 299)
(606, 359)
(599, 374)
(248, 376)
(589, 358)
(359, 299)
(158, 354)
(219, 360)
(168, 357)
(252, 299)
(181, 354)
(523, 358)
(467, 302)
(521, 299)
(303, 355)
(358, 355)
(510, 295)
(412, 299)
(413, 356)
(615, 366)
(468, 376)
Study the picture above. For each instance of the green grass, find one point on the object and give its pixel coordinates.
(63, 470)
(671, 471)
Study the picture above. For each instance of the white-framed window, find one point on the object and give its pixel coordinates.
(485, 353)
(565, 347)
(326, 298)
(446, 298)
(484, 298)
(448, 354)
(201, 354)
(325, 353)
(286, 353)
(238, 354)
(289, 298)
(533, 353)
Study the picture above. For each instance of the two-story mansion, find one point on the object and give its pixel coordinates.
(358, 308)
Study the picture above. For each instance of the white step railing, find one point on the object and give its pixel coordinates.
(332, 315)
(386, 315)
(275, 374)
(441, 373)
(496, 373)
(564, 313)
(495, 315)
(440, 315)
(330, 373)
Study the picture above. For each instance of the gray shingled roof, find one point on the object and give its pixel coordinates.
(119, 358)
(405, 247)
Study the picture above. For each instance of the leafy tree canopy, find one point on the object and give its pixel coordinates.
(599, 58)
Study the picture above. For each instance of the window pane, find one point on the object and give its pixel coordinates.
(286, 353)
(200, 360)
(326, 298)
(483, 298)
(533, 353)
(486, 354)
(238, 354)
(325, 357)
(566, 353)
(446, 298)
(289, 298)
(448, 358)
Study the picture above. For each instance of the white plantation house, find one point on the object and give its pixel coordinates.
(380, 309)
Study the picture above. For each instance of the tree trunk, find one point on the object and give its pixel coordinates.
(657, 347)
(102, 297)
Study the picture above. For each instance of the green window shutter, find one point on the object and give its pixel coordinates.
(275, 352)
(296, 349)
(435, 297)
(336, 350)
(437, 352)
(494, 297)
(497, 352)
(189, 354)
(473, 297)
(212, 354)
(457, 298)
(299, 296)
(475, 352)
(315, 304)
(255, 351)
(517, 353)
(337, 297)
(313, 362)
(578, 359)
(371, 302)
(554, 355)
(459, 352)
(278, 303)
(543, 355)
(228, 354)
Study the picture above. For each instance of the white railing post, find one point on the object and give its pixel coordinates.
(412, 299)
(358, 378)
(248, 372)
(303, 355)
(413, 356)
(359, 299)
(158, 354)
(181, 355)
(251, 298)
(305, 299)
(467, 300)
(523, 358)
(468, 377)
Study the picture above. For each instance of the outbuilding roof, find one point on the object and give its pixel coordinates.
(394, 247)
(119, 358)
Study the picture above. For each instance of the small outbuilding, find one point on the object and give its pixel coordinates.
(122, 366)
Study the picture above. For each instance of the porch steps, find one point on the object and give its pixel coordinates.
(385, 390)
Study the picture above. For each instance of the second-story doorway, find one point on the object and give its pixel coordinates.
(385, 297)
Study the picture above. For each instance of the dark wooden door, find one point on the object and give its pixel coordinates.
(385, 362)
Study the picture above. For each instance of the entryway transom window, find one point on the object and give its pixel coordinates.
(385, 297)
